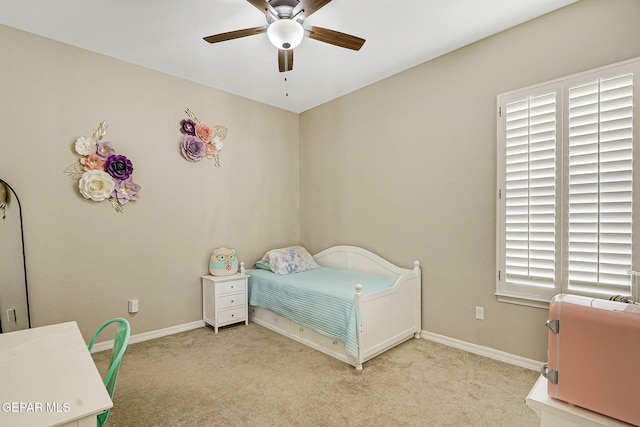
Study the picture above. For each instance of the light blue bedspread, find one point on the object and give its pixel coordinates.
(321, 299)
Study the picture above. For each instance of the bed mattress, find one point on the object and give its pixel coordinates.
(321, 299)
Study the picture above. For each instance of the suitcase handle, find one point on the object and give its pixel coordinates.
(550, 375)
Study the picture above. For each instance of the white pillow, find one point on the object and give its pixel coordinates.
(294, 259)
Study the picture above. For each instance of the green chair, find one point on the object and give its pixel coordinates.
(119, 346)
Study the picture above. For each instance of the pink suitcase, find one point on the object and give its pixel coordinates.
(594, 355)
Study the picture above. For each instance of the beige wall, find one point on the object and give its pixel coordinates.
(84, 260)
(407, 167)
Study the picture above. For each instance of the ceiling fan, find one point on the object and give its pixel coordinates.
(285, 31)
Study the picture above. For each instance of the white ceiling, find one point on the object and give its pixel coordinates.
(166, 35)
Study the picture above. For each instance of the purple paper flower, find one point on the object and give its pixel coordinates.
(125, 190)
(188, 127)
(118, 167)
(104, 149)
(193, 149)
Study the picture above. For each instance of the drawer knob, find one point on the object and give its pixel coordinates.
(301, 329)
(335, 342)
(232, 315)
(231, 300)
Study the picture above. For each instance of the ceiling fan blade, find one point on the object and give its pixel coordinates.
(336, 38)
(285, 60)
(263, 6)
(309, 7)
(235, 34)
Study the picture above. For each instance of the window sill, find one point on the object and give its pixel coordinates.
(528, 301)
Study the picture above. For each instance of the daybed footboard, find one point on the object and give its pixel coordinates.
(387, 318)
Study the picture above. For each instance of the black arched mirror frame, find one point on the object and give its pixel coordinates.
(14, 295)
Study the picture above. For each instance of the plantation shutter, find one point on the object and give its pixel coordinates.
(600, 191)
(530, 191)
(566, 205)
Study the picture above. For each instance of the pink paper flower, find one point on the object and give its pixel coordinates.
(212, 151)
(92, 162)
(204, 132)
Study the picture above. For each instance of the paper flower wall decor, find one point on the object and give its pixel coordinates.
(101, 173)
(201, 140)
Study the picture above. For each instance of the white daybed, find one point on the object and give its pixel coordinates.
(383, 319)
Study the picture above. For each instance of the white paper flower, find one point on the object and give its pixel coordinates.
(85, 146)
(96, 185)
(218, 143)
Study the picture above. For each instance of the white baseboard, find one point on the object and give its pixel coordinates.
(483, 351)
(106, 345)
(441, 339)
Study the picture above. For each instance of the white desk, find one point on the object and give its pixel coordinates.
(555, 413)
(48, 378)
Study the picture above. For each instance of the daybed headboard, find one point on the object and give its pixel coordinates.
(358, 259)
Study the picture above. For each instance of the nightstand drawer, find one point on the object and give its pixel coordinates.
(232, 315)
(233, 300)
(231, 286)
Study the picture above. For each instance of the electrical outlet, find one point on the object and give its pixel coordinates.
(133, 306)
(480, 313)
(11, 315)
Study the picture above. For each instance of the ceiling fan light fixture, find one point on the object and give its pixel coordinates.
(285, 34)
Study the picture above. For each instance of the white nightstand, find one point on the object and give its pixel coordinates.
(224, 300)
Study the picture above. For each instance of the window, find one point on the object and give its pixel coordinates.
(565, 210)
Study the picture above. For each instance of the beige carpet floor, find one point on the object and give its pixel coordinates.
(250, 376)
